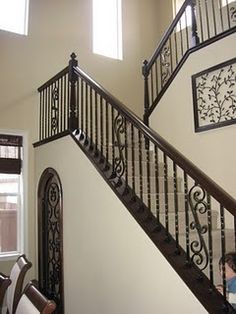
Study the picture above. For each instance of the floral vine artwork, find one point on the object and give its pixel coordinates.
(214, 96)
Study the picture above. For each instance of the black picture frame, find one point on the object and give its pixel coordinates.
(214, 96)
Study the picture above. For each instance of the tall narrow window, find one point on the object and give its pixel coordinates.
(186, 19)
(107, 28)
(10, 195)
(14, 16)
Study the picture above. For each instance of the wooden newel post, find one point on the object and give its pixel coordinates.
(73, 112)
(195, 38)
(146, 93)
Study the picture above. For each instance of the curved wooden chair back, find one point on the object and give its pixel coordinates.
(33, 301)
(17, 276)
(5, 281)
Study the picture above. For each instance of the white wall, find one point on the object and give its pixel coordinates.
(212, 151)
(110, 265)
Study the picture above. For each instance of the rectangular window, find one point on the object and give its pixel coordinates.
(226, 2)
(186, 19)
(107, 28)
(11, 241)
(14, 16)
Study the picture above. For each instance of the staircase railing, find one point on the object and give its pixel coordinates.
(198, 23)
(188, 216)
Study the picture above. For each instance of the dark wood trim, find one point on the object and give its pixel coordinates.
(52, 138)
(54, 78)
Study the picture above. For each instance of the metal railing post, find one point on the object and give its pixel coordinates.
(73, 113)
(195, 38)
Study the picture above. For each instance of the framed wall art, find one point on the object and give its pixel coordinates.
(214, 96)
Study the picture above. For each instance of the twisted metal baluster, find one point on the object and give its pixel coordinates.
(197, 204)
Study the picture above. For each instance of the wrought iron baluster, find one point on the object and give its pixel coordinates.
(200, 20)
(61, 104)
(48, 110)
(176, 47)
(65, 96)
(214, 16)
(113, 140)
(157, 199)
(91, 116)
(221, 15)
(157, 80)
(107, 132)
(132, 157)
(210, 246)
(176, 204)
(96, 121)
(119, 162)
(101, 124)
(198, 205)
(86, 113)
(166, 195)
(126, 155)
(186, 207)
(228, 14)
(181, 36)
(148, 191)
(223, 248)
(82, 105)
(186, 29)
(152, 85)
(140, 159)
(207, 19)
(40, 115)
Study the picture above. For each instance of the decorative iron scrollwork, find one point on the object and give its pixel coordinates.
(165, 65)
(53, 236)
(216, 95)
(198, 207)
(55, 109)
(233, 14)
(119, 161)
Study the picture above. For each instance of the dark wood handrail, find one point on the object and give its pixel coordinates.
(54, 78)
(167, 34)
(206, 182)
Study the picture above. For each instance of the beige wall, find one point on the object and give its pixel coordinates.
(110, 265)
(214, 150)
(57, 28)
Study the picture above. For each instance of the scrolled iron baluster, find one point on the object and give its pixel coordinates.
(55, 110)
(198, 206)
(119, 161)
(166, 64)
(233, 14)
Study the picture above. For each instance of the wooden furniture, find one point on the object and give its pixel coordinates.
(17, 276)
(33, 301)
(5, 281)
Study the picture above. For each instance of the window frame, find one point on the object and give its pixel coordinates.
(22, 220)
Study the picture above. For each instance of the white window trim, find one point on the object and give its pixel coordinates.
(23, 219)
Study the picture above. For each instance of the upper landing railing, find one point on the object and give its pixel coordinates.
(198, 23)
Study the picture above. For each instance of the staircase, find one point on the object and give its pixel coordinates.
(188, 217)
